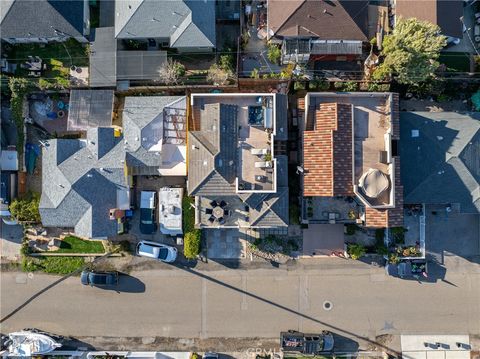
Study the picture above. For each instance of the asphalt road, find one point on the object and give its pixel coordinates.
(248, 303)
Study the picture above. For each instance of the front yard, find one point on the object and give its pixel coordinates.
(73, 244)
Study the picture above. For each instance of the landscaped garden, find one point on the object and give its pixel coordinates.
(52, 265)
(192, 236)
(58, 56)
(72, 244)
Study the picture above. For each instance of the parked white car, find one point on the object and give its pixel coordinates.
(157, 251)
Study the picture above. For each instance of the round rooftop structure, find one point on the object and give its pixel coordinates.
(374, 182)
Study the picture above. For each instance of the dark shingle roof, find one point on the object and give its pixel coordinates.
(322, 19)
(35, 18)
(80, 181)
(103, 58)
(442, 164)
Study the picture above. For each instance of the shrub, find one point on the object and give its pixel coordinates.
(351, 229)
(376, 87)
(320, 85)
(274, 53)
(294, 212)
(171, 71)
(26, 209)
(356, 251)
(226, 62)
(188, 214)
(191, 244)
(219, 76)
(379, 235)
(398, 234)
(19, 87)
(393, 258)
(349, 86)
(299, 85)
(254, 74)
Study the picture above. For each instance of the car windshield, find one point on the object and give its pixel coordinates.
(163, 253)
(98, 278)
(146, 221)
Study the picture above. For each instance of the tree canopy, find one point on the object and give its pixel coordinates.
(26, 209)
(411, 51)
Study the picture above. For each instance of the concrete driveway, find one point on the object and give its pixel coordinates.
(452, 234)
(10, 241)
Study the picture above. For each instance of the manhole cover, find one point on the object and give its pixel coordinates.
(327, 305)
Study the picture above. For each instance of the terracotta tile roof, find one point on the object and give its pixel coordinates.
(328, 152)
(383, 218)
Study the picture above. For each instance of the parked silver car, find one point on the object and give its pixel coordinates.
(157, 251)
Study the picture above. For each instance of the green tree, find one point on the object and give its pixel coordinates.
(411, 52)
(26, 209)
(274, 53)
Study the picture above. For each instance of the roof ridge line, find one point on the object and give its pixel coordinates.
(292, 13)
(129, 18)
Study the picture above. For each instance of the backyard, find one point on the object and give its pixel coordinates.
(58, 57)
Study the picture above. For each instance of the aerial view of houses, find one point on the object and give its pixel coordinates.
(240, 179)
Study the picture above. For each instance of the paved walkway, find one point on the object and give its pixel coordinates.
(10, 241)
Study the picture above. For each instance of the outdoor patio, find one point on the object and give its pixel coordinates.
(320, 209)
(234, 217)
(49, 112)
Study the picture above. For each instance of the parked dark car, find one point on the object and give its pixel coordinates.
(147, 212)
(297, 342)
(100, 279)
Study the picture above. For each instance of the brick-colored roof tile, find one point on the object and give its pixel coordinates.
(328, 152)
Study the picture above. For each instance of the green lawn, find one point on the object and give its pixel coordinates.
(56, 51)
(58, 57)
(53, 265)
(73, 244)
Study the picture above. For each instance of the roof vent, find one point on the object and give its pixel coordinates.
(324, 11)
(205, 162)
(230, 163)
(89, 175)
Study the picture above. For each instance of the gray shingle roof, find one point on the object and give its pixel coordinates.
(213, 154)
(80, 182)
(103, 57)
(35, 18)
(187, 23)
(272, 211)
(441, 165)
(144, 126)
